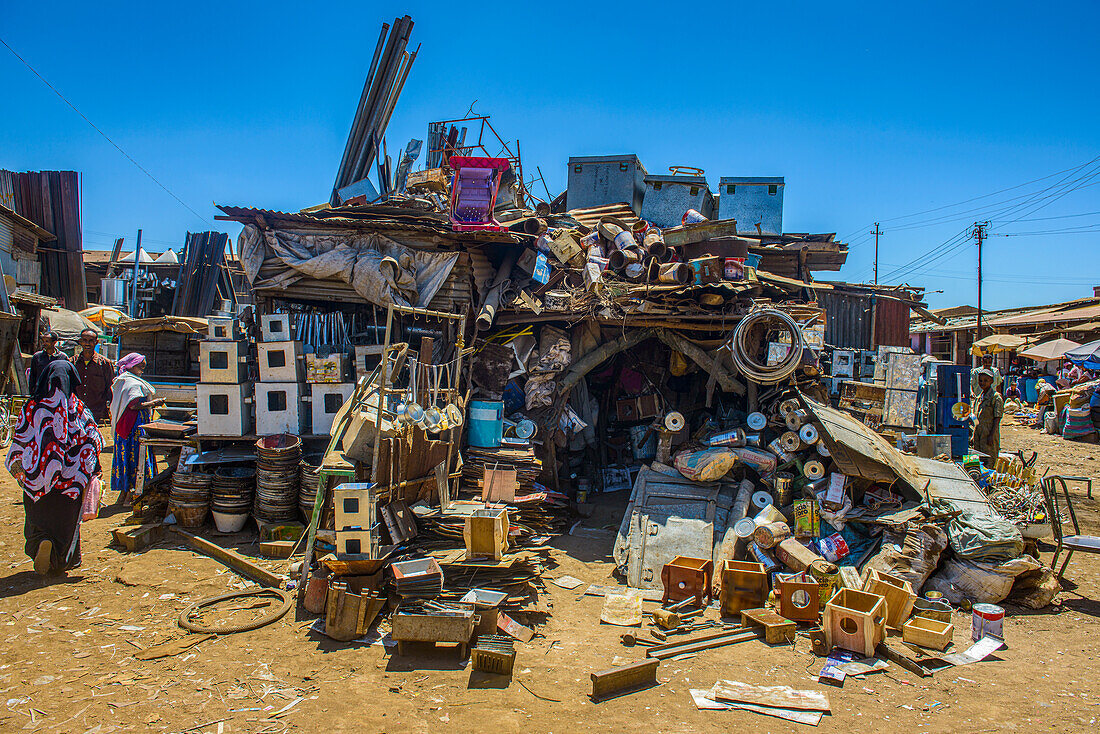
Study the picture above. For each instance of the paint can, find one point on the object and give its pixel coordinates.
(742, 534)
(735, 438)
(988, 621)
(638, 230)
(808, 434)
(790, 441)
(757, 421)
(776, 447)
(760, 499)
(734, 268)
(813, 469)
(600, 262)
(764, 557)
(771, 534)
(634, 271)
(807, 523)
(673, 273)
(783, 488)
(624, 240)
(590, 240)
(833, 548)
(692, 217)
(827, 576)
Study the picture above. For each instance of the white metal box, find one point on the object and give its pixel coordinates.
(275, 327)
(844, 363)
(330, 368)
(281, 362)
(279, 408)
(326, 399)
(221, 328)
(224, 409)
(223, 361)
(366, 359)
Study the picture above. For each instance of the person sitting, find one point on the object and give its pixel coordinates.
(1012, 392)
(1045, 402)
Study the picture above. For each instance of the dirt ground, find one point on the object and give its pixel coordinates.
(68, 664)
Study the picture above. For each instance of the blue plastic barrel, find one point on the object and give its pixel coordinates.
(486, 423)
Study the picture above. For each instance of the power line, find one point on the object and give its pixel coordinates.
(105, 136)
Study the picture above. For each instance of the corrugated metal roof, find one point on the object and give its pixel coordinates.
(591, 216)
(1048, 316)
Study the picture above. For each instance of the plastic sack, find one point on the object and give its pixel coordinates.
(90, 500)
(981, 538)
(762, 462)
(980, 583)
(1035, 589)
(911, 552)
(705, 466)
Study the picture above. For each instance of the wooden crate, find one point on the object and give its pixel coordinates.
(744, 586)
(799, 601)
(486, 534)
(928, 633)
(897, 592)
(855, 621)
(685, 576)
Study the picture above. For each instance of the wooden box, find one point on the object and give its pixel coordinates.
(855, 621)
(897, 592)
(928, 633)
(486, 534)
(685, 576)
(744, 586)
(799, 601)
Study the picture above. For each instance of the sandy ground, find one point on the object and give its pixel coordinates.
(68, 664)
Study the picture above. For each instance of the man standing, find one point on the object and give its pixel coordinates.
(43, 357)
(987, 364)
(987, 422)
(96, 374)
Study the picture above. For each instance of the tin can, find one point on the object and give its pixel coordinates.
(833, 548)
(808, 433)
(813, 469)
(790, 441)
(743, 530)
(768, 514)
(757, 421)
(590, 240)
(752, 439)
(771, 534)
(736, 438)
(763, 556)
(692, 217)
(807, 523)
(988, 621)
(624, 240)
(638, 229)
(827, 576)
(734, 268)
(783, 488)
(776, 447)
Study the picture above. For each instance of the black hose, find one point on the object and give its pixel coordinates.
(286, 599)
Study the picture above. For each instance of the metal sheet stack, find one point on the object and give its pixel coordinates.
(420, 578)
(232, 490)
(277, 460)
(308, 479)
(189, 499)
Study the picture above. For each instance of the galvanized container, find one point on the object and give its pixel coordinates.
(112, 291)
(752, 200)
(668, 197)
(601, 180)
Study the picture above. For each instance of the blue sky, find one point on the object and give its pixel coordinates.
(871, 111)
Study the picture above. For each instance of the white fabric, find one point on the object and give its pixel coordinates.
(126, 387)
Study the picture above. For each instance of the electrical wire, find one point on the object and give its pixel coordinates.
(105, 136)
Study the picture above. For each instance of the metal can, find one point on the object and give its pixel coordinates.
(735, 438)
(624, 240)
(763, 556)
(734, 268)
(590, 240)
(771, 534)
(834, 547)
(783, 488)
(988, 621)
(827, 576)
(692, 217)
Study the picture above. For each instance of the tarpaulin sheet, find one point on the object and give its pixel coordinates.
(380, 270)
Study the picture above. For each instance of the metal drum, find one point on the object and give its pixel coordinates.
(232, 490)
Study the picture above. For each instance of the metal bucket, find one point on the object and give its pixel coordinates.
(988, 620)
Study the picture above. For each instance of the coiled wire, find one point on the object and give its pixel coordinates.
(751, 333)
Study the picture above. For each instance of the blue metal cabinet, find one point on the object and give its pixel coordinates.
(668, 197)
(602, 180)
(752, 201)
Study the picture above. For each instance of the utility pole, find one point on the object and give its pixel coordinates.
(876, 232)
(978, 232)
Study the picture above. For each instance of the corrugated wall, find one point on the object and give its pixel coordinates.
(891, 324)
(847, 319)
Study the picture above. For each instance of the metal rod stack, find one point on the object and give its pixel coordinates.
(388, 70)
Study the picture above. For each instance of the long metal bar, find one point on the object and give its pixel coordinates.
(385, 376)
(357, 121)
(709, 642)
(400, 37)
(134, 288)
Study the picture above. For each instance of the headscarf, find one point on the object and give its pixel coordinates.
(56, 443)
(60, 374)
(131, 360)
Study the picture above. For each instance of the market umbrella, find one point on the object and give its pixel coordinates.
(1086, 355)
(997, 343)
(1053, 349)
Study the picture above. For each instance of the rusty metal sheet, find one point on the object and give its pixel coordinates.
(947, 481)
(858, 451)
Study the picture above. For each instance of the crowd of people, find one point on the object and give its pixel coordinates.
(57, 442)
(1077, 419)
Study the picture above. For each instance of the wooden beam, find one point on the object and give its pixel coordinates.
(232, 559)
(728, 382)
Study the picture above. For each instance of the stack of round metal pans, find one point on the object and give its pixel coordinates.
(277, 459)
(189, 498)
(307, 492)
(232, 490)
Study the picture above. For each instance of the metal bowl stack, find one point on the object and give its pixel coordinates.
(232, 490)
(277, 460)
(189, 498)
(307, 492)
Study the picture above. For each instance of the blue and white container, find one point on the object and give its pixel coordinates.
(486, 423)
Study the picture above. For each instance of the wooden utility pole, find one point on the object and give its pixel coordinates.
(978, 232)
(876, 232)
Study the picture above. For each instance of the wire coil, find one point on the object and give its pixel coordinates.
(750, 337)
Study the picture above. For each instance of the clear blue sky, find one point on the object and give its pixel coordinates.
(870, 111)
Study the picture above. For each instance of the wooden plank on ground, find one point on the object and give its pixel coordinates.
(232, 559)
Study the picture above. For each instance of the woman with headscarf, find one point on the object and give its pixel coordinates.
(132, 400)
(54, 456)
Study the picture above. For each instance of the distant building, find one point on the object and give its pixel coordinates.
(19, 238)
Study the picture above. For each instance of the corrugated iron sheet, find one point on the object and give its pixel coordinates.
(51, 199)
(847, 319)
(891, 323)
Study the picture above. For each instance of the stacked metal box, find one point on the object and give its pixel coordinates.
(224, 390)
(282, 388)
